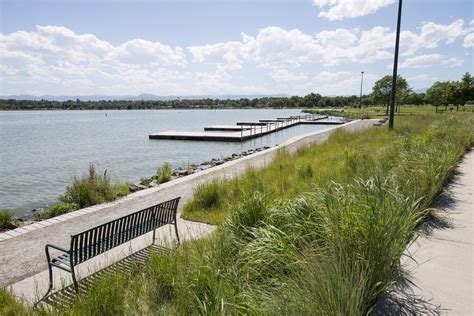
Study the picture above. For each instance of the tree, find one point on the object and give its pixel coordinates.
(322, 102)
(311, 100)
(382, 89)
(441, 94)
(466, 88)
(415, 98)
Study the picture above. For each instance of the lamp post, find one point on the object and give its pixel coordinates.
(361, 82)
(395, 65)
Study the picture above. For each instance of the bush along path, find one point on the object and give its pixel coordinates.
(319, 232)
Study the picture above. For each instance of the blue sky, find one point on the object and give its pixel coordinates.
(229, 46)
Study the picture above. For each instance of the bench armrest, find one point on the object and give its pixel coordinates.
(48, 257)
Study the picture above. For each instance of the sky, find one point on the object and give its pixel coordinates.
(211, 47)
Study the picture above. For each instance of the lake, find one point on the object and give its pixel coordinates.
(41, 151)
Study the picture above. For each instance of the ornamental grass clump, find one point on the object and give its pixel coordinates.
(163, 173)
(6, 219)
(92, 189)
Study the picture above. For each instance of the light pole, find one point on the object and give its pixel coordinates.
(395, 65)
(361, 82)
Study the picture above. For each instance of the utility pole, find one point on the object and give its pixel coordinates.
(395, 66)
(361, 82)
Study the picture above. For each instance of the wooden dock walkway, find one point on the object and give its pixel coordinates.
(224, 128)
(243, 131)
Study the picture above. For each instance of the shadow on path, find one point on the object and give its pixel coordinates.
(66, 296)
(404, 297)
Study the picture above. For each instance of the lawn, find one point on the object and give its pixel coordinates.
(379, 111)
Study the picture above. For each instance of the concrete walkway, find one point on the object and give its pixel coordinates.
(440, 279)
(22, 259)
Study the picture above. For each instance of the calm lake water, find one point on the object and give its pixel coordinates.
(41, 151)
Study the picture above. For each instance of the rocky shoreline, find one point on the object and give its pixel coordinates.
(151, 182)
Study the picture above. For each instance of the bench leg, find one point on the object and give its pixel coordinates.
(50, 287)
(74, 281)
(176, 231)
(50, 268)
(154, 234)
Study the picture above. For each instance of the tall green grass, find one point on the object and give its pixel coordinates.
(9, 306)
(319, 232)
(92, 189)
(6, 219)
(87, 190)
(163, 173)
(343, 158)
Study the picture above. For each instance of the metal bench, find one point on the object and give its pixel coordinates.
(97, 240)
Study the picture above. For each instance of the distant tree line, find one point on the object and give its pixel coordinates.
(439, 94)
(310, 100)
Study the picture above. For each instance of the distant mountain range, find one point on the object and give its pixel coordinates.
(145, 97)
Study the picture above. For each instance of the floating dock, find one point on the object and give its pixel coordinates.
(224, 128)
(243, 131)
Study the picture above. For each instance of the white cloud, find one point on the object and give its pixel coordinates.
(56, 60)
(343, 9)
(229, 52)
(283, 75)
(338, 37)
(431, 34)
(366, 47)
(139, 52)
(276, 48)
(327, 76)
(468, 40)
(342, 82)
(429, 60)
(273, 47)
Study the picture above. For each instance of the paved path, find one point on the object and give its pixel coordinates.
(22, 255)
(441, 277)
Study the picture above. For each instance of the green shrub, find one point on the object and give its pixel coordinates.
(6, 218)
(92, 189)
(163, 173)
(55, 210)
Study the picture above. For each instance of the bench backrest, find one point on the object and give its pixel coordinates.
(98, 240)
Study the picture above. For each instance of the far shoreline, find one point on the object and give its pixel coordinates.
(160, 109)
